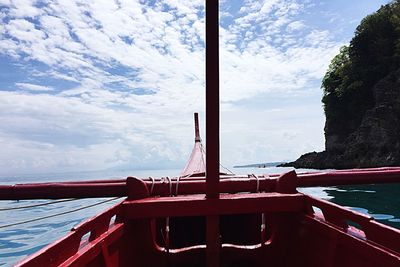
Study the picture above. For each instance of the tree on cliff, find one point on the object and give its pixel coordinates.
(373, 53)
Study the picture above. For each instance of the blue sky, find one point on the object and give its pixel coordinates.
(91, 85)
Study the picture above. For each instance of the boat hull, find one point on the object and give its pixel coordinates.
(256, 229)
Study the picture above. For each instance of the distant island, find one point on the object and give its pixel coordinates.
(260, 165)
(361, 98)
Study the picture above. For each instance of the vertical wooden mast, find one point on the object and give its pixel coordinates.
(196, 128)
(212, 98)
(212, 127)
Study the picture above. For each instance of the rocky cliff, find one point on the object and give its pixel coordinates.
(375, 143)
(362, 98)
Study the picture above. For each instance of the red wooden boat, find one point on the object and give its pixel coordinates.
(206, 218)
(170, 222)
(256, 221)
(268, 224)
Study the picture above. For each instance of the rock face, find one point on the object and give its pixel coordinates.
(376, 141)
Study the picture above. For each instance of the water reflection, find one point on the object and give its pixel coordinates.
(380, 201)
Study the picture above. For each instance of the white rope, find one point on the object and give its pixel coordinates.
(202, 158)
(163, 179)
(58, 214)
(226, 168)
(152, 185)
(38, 205)
(178, 180)
(177, 185)
(258, 182)
(170, 185)
(202, 154)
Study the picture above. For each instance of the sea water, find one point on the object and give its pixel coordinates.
(18, 241)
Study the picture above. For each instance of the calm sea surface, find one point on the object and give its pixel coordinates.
(16, 242)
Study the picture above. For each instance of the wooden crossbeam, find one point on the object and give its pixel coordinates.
(198, 205)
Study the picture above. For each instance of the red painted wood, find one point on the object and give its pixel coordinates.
(212, 98)
(349, 177)
(97, 247)
(338, 215)
(297, 236)
(196, 128)
(347, 251)
(62, 190)
(68, 246)
(383, 235)
(213, 241)
(228, 184)
(374, 232)
(201, 206)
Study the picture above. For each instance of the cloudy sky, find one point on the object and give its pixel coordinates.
(98, 84)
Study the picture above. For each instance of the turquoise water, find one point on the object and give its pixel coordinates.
(16, 242)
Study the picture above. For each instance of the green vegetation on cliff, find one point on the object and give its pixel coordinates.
(373, 53)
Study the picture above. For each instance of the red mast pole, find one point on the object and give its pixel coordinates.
(196, 128)
(212, 127)
(212, 98)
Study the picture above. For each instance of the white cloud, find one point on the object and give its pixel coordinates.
(135, 73)
(33, 87)
(295, 26)
(67, 131)
(24, 8)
